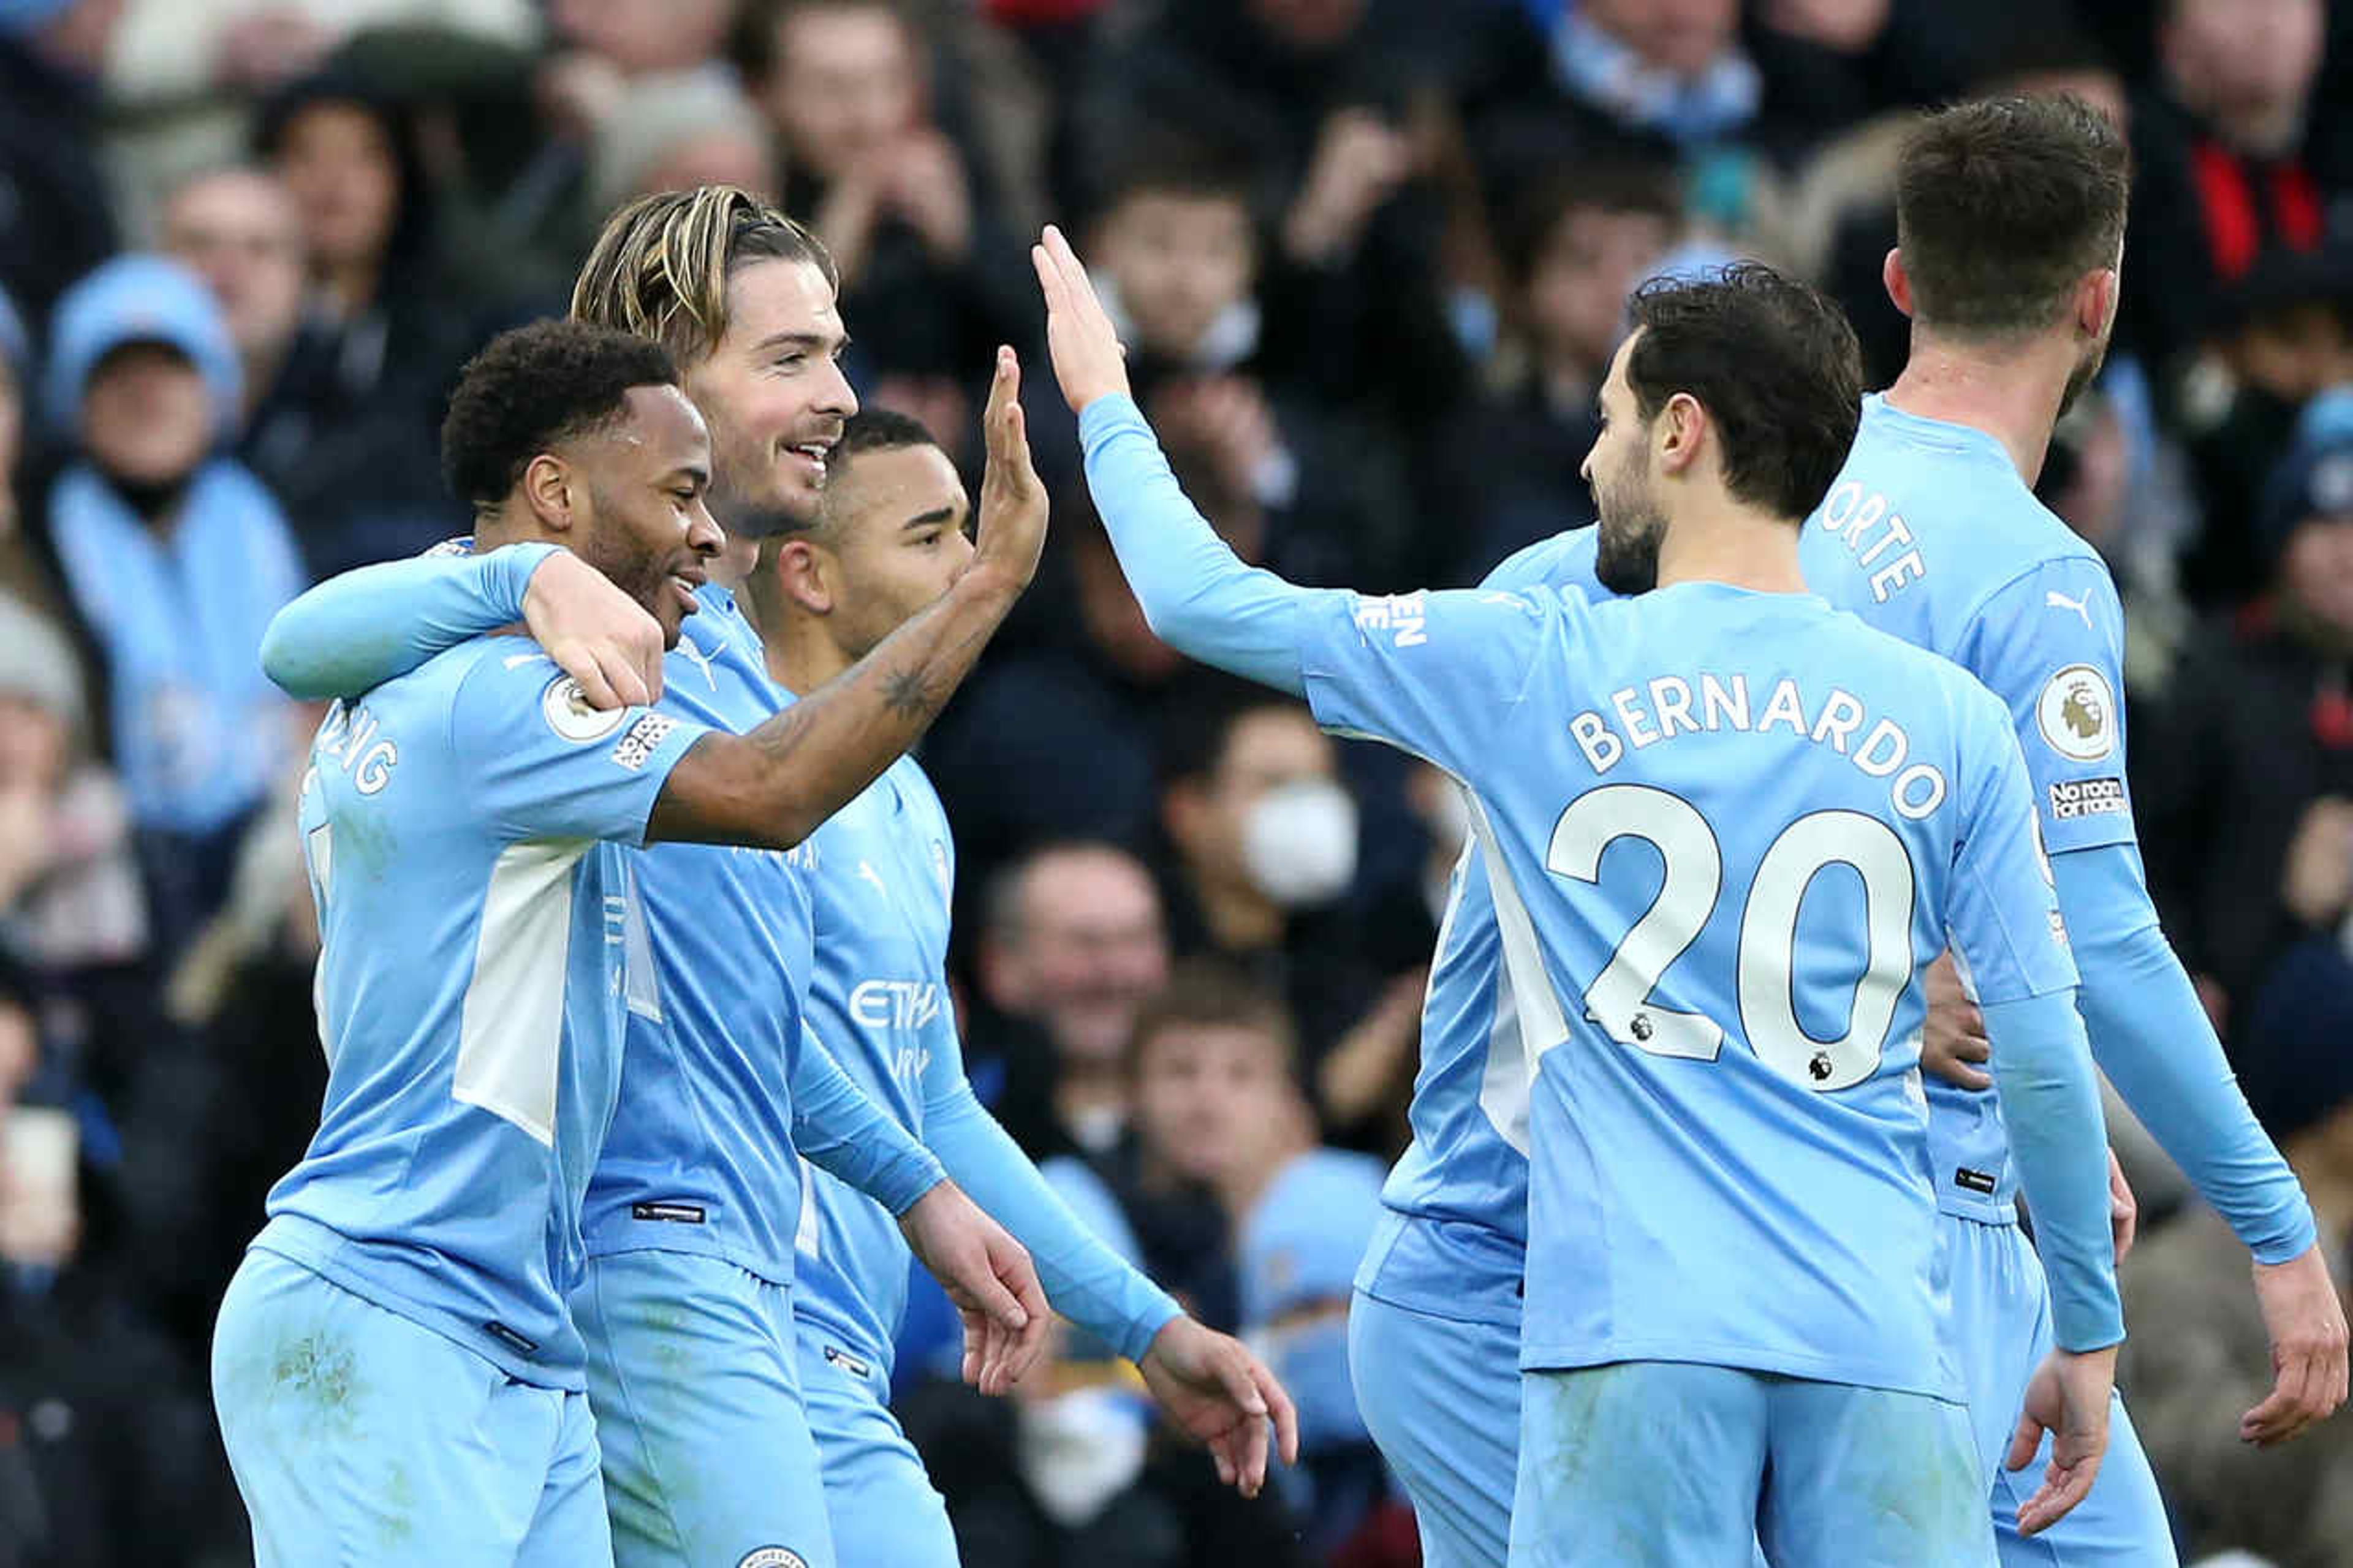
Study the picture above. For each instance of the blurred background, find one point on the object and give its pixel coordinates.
(1370, 257)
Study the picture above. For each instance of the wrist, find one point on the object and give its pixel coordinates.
(991, 582)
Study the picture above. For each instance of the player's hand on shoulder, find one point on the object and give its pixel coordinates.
(595, 633)
(1211, 1387)
(2305, 1317)
(1088, 358)
(1010, 535)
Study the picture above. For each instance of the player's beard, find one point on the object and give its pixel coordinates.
(2081, 376)
(1626, 551)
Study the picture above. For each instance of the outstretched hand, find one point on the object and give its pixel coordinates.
(1011, 532)
(1221, 1395)
(1088, 358)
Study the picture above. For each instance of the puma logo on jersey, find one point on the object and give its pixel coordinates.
(2053, 599)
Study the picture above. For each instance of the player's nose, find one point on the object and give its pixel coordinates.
(702, 534)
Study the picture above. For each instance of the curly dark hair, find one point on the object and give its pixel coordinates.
(536, 387)
(1774, 363)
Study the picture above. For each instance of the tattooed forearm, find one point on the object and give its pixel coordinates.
(907, 695)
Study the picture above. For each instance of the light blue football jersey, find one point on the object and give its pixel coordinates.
(1458, 1244)
(700, 1158)
(480, 939)
(881, 879)
(1930, 534)
(1687, 806)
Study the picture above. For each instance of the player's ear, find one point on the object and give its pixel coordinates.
(1898, 282)
(548, 489)
(2097, 295)
(1678, 431)
(805, 572)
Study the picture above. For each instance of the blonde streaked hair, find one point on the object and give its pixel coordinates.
(660, 266)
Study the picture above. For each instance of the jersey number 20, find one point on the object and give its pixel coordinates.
(1619, 997)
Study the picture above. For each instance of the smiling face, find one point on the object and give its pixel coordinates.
(775, 398)
(646, 525)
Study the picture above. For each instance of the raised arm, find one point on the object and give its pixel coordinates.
(774, 786)
(360, 629)
(1195, 595)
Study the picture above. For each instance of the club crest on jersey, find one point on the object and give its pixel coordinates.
(567, 708)
(2077, 714)
(773, 1557)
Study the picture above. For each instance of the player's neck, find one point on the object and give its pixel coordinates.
(1725, 542)
(800, 656)
(2011, 395)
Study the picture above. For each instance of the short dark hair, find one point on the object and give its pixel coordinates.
(881, 430)
(1206, 992)
(1649, 188)
(1774, 363)
(1168, 164)
(535, 387)
(1198, 721)
(755, 37)
(2002, 204)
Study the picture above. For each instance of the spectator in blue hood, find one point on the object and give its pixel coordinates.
(173, 557)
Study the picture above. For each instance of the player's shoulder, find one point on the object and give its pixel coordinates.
(1886, 660)
(1564, 560)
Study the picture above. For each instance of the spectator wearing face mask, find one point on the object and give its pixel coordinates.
(2246, 796)
(1262, 831)
(173, 558)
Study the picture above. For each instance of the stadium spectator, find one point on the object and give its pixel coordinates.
(175, 559)
(1328, 103)
(2236, 157)
(676, 132)
(1294, 485)
(237, 227)
(1511, 462)
(69, 891)
(1262, 837)
(361, 390)
(2196, 1359)
(1303, 1216)
(932, 283)
(1071, 946)
(2247, 792)
(2281, 335)
(57, 223)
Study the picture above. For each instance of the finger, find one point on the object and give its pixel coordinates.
(2024, 1439)
(1050, 282)
(1030, 1342)
(582, 666)
(628, 682)
(975, 1333)
(1973, 1047)
(1075, 274)
(2063, 1488)
(2276, 1418)
(1966, 1077)
(1286, 1416)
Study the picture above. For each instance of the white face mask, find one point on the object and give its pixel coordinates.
(1299, 842)
(1080, 1450)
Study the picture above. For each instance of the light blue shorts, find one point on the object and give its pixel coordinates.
(884, 1508)
(1442, 1397)
(360, 1436)
(2000, 1331)
(708, 1458)
(1672, 1464)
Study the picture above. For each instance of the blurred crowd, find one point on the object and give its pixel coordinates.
(1370, 258)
